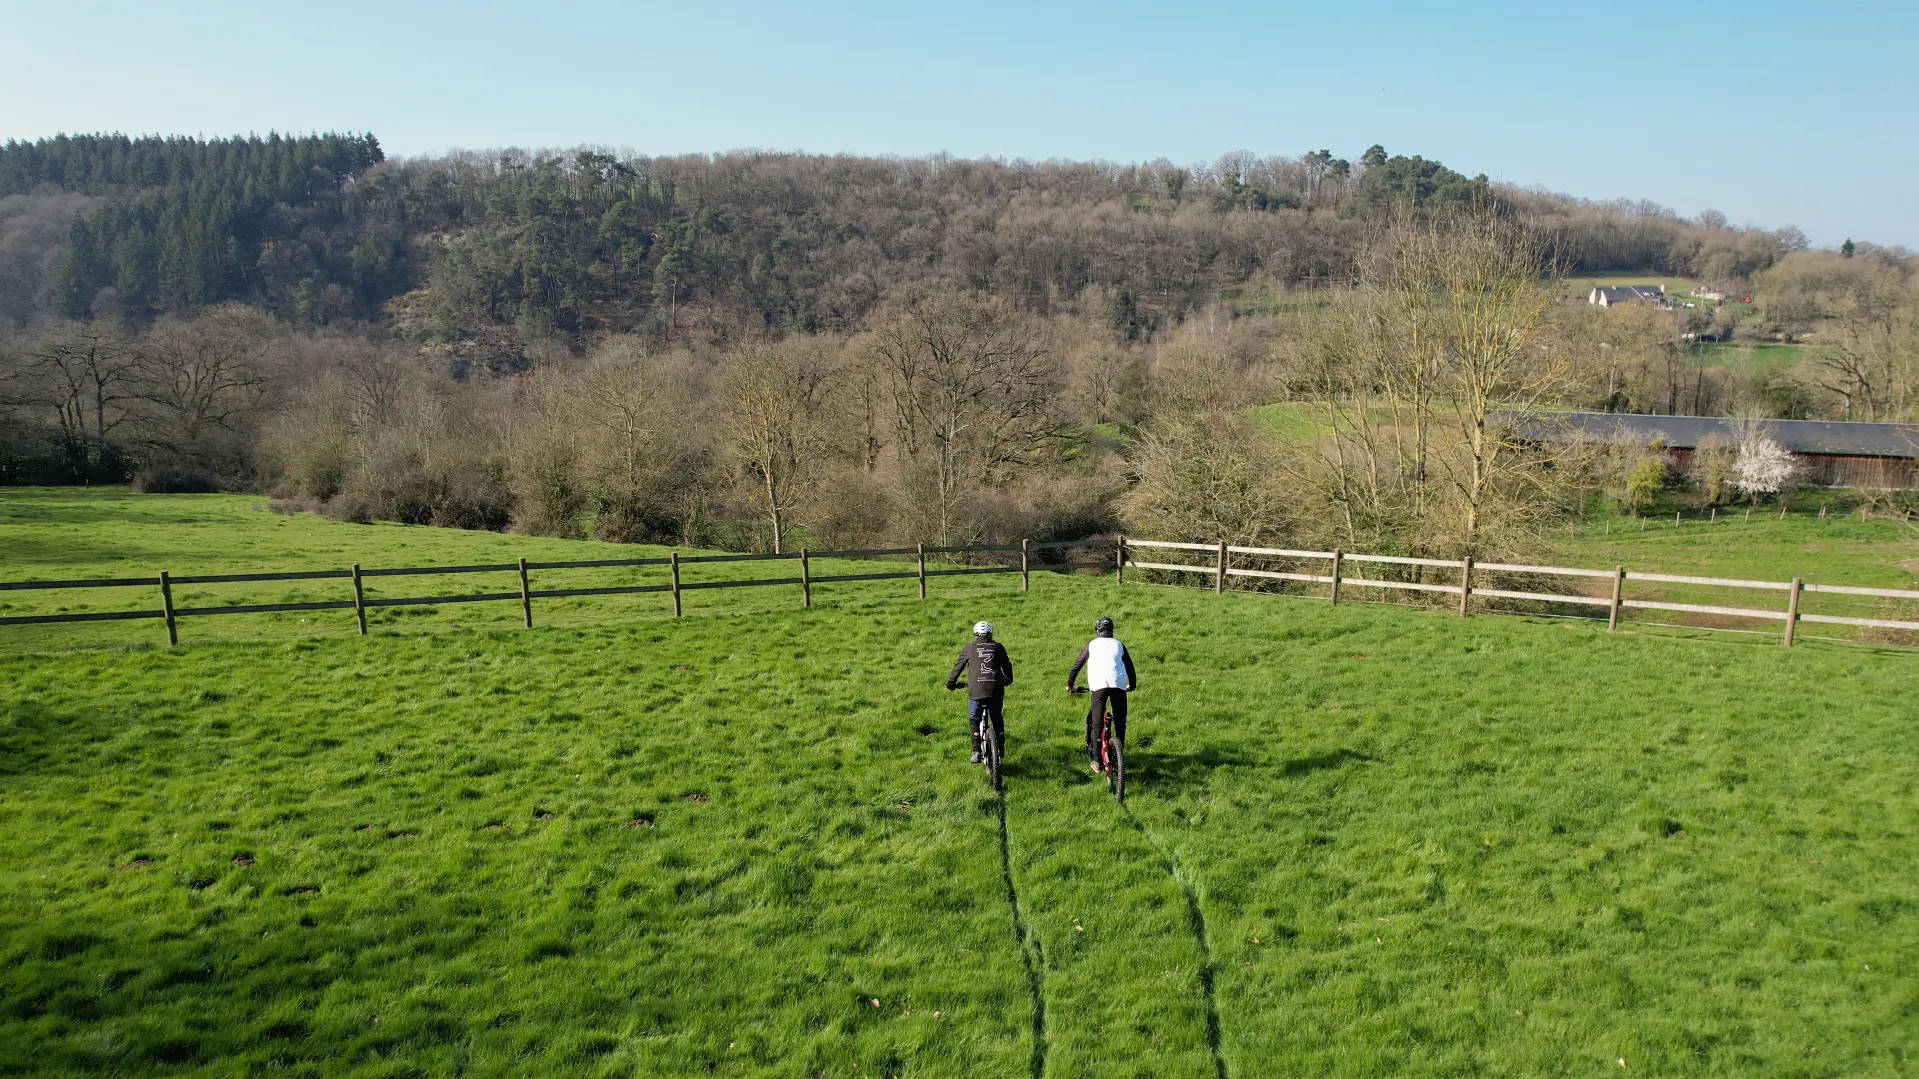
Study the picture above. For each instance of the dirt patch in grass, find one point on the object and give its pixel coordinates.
(137, 863)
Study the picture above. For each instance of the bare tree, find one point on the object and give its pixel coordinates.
(1424, 377)
(1204, 477)
(644, 458)
(83, 374)
(974, 391)
(195, 383)
(1496, 371)
(774, 418)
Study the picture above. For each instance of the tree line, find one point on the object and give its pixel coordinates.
(759, 351)
(952, 414)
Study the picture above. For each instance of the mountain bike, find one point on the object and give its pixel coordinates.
(989, 746)
(1111, 753)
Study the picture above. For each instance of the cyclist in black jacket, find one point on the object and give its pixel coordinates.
(988, 670)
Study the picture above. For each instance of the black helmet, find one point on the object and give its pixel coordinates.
(1102, 624)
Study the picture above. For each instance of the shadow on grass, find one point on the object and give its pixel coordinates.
(38, 739)
(1171, 771)
(1320, 762)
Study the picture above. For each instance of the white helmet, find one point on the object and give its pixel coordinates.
(982, 629)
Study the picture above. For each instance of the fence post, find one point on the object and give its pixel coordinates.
(166, 607)
(526, 598)
(359, 600)
(1618, 594)
(1119, 559)
(1715, 515)
(676, 583)
(1675, 518)
(1465, 585)
(1822, 512)
(1792, 611)
(1025, 563)
(1219, 575)
(806, 580)
(1338, 558)
(922, 564)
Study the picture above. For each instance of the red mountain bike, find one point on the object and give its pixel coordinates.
(1111, 753)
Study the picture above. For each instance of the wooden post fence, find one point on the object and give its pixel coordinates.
(526, 598)
(1219, 565)
(166, 608)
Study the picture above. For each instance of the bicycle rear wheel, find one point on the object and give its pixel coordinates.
(992, 758)
(1116, 768)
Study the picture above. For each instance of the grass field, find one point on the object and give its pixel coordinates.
(1361, 841)
(1674, 286)
(75, 533)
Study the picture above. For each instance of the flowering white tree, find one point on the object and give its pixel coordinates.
(1763, 467)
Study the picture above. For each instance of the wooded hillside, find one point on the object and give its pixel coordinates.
(492, 253)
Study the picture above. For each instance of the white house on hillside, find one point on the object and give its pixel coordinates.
(1612, 297)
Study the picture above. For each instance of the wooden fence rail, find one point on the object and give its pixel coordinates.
(1218, 566)
(1221, 569)
(525, 594)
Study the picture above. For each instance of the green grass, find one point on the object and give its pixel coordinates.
(1361, 841)
(1674, 286)
(1839, 550)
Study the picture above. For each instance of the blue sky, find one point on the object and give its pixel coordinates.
(1772, 113)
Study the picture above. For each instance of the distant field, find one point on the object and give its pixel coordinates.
(1608, 279)
(1362, 841)
(1753, 357)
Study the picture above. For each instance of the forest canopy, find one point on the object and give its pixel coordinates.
(490, 254)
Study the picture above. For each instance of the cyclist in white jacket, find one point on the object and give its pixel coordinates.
(1110, 675)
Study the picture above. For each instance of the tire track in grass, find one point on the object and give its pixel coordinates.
(1031, 954)
(1196, 923)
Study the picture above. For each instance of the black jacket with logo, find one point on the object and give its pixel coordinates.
(987, 667)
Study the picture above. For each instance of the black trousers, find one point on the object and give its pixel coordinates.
(1102, 698)
(995, 709)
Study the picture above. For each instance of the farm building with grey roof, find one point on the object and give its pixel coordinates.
(1835, 454)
